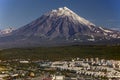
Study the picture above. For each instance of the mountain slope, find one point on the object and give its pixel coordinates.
(59, 26)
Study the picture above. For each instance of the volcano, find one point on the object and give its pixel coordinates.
(60, 26)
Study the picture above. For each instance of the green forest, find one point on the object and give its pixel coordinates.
(62, 53)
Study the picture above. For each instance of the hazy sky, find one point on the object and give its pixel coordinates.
(17, 13)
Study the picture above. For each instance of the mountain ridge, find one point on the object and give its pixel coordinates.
(57, 26)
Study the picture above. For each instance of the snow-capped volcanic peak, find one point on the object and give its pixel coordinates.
(63, 11)
(69, 13)
(63, 23)
(59, 26)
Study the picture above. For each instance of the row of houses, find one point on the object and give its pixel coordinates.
(90, 67)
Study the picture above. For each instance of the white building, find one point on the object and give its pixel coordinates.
(60, 77)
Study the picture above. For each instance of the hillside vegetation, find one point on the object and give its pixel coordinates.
(62, 53)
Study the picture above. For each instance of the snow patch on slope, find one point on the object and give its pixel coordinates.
(105, 30)
(6, 31)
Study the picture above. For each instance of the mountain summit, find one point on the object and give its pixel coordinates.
(69, 13)
(60, 26)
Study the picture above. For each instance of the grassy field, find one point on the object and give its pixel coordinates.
(58, 53)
